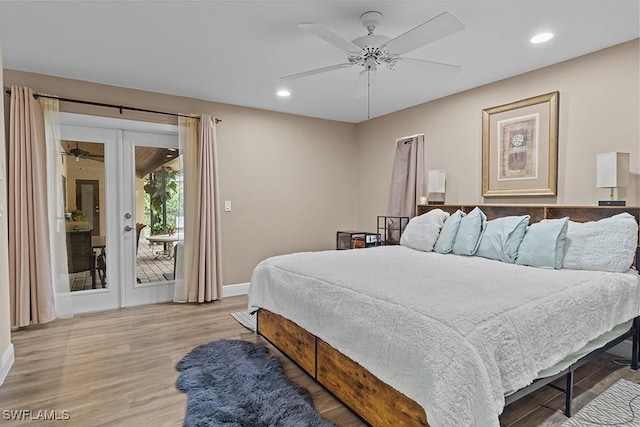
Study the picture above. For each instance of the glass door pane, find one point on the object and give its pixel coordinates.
(89, 157)
(83, 171)
(152, 196)
(158, 213)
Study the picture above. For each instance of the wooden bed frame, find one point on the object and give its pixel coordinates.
(380, 404)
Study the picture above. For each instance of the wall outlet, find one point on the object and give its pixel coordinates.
(227, 205)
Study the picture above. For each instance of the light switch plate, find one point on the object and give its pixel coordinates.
(227, 205)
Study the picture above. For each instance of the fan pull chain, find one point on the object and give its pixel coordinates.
(369, 93)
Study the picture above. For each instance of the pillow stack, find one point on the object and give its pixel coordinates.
(606, 245)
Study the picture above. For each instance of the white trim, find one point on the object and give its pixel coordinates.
(113, 123)
(234, 290)
(7, 362)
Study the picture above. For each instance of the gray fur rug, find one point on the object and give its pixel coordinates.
(235, 383)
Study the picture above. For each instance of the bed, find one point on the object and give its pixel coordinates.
(455, 351)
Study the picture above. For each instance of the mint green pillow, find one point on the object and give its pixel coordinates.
(502, 237)
(543, 244)
(469, 233)
(444, 244)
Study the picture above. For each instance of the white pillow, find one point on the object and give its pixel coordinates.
(448, 233)
(606, 245)
(469, 233)
(543, 244)
(502, 237)
(423, 231)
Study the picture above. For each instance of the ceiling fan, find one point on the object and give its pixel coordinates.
(373, 50)
(79, 153)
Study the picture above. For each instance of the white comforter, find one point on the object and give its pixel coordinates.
(453, 333)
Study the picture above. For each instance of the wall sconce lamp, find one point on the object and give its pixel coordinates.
(612, 171)
(436, 187)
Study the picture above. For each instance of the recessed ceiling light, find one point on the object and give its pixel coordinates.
(541, 38)
(283, 93)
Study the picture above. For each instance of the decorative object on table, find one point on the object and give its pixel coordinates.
(246, 319)
(520, 148)
(77, 215)
(612, 171)
(390, 228)
(356, 239)
(234, 382)
(436, 187)
(79, 221)
(619, 405)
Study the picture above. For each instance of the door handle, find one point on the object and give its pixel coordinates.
(128, 228)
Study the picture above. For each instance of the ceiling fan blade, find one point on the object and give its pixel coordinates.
(366, 80)
(436, 70)
(436, 28)
(329, 36)
(316, 71)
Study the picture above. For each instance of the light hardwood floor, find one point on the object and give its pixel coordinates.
(117, 368)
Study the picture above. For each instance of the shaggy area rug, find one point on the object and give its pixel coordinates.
(617, 406)
(237, 383)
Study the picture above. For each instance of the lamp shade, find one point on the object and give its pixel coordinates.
(436, 182)
(612, 170)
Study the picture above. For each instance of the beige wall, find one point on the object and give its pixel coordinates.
(599, 113)
(291, 179)
(5, 319)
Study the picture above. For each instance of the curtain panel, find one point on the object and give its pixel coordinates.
(200, 272)
(30, 276)
(407, 182)
(56, 209)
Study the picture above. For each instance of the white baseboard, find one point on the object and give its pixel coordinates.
(233, 290)
(7, 362)
(622, 350)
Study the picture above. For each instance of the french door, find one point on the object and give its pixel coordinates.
(121, 158)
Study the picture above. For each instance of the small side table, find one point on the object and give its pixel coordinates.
(356, 239)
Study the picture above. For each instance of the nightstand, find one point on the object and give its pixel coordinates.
(356, 239)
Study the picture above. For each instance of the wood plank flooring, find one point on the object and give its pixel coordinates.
(117, 368)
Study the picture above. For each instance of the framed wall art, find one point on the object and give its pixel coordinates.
(520, 148)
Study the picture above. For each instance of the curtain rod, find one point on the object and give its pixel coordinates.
(101, 104)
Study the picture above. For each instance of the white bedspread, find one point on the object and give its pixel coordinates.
(453, 333)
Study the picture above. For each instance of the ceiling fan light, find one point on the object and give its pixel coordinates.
(283, 93)
(541, 38)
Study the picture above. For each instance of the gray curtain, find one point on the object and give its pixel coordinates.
(407, 183)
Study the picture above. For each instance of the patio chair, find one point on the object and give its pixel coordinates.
(80, 256)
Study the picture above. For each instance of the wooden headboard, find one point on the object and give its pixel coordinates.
(539, 212)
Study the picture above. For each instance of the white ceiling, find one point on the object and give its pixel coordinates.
(236, 51)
